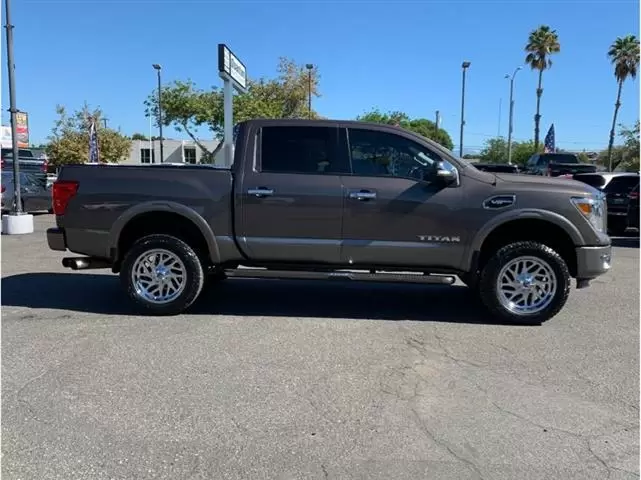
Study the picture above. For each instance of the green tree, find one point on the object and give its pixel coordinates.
(421, 126)
(522, 151)
(541, 44)
(495, 151)
(139, 136)
(624, 55)
(188, 108)
(69, 139)
(625, 156)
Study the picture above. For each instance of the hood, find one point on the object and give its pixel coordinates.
(546, 183)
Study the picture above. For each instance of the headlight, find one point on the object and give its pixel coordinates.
(593, 209)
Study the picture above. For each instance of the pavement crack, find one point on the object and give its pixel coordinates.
(324, 469)
(598, 458)
(443, 444)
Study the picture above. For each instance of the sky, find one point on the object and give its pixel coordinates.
(391, 55)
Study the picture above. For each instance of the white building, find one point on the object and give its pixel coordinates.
(175, 151)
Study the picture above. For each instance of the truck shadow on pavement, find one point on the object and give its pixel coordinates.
(102, 294)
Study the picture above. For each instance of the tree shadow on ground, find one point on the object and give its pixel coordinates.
(102, 294)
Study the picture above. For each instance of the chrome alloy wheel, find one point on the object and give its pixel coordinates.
(158, 276)
(526, 285)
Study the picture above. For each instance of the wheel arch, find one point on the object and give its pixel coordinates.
(548, 227)
(158, 210)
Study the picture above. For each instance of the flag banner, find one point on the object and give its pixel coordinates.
(550, 146)
(94, 156)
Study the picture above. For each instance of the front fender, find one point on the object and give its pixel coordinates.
(169, 207)
(505, 217)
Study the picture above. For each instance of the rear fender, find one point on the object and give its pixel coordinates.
(169, 207)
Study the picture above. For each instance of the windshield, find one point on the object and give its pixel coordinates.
(8, 153)
(560, 158)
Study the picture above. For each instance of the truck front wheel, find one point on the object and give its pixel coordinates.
(162, 275)
(525, 283)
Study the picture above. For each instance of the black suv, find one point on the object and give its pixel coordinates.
(617, 187)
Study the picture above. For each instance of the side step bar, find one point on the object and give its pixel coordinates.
(344, 275)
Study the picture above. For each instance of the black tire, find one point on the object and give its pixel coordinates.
(490, 296)
(195, 277)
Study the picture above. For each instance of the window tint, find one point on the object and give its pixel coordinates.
(387, 155)
(532, 160)
(298, 150)
(560, 158)
(622, 184)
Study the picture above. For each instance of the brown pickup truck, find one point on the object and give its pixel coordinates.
(333, 200)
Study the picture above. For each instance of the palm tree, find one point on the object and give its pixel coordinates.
(541, 43)
(624, 54)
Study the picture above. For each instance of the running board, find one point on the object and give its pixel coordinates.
(425, 279)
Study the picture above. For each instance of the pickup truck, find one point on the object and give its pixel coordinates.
(556, 164)
(333, 200)
(27, 163)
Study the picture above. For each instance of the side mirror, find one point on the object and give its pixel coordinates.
(446, 176)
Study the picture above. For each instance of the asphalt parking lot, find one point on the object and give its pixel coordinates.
(304, 380)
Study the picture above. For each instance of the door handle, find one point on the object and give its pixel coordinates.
(260, 192)
(362, 195)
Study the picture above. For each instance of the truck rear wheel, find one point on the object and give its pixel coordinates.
(162, 275)
(525, 283)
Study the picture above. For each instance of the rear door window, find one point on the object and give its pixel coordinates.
(300, 149)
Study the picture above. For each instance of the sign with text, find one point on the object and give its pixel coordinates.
(229, 65)
(22, 129)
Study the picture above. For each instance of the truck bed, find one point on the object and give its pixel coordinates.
(106, 192)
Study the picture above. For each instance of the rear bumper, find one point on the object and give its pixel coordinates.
(593, 261)
(56, 239)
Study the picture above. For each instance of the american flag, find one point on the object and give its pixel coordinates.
(549, 141)
(93, 142)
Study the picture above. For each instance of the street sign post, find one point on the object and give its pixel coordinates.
(234, 75)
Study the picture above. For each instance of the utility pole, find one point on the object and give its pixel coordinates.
(158, 68)
(464, 66)
(309, 67)
(510, 127)
(438, 120)
(104, 121)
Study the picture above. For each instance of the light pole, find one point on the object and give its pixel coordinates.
(17, 208)
(510, 125)
(309, 68)
(464, 66)
(158, 68)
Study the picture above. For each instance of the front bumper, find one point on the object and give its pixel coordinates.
(593, 261)
(56, 239)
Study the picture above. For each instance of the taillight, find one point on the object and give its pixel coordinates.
(633, 195)
(62, 192)
(3, 189)
(44, 167)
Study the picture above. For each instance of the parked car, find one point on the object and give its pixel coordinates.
(34, 196)
(497, 167)
(27, 163)
(555, 164)
(333, 200)
(617, 187)
(633, 208)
